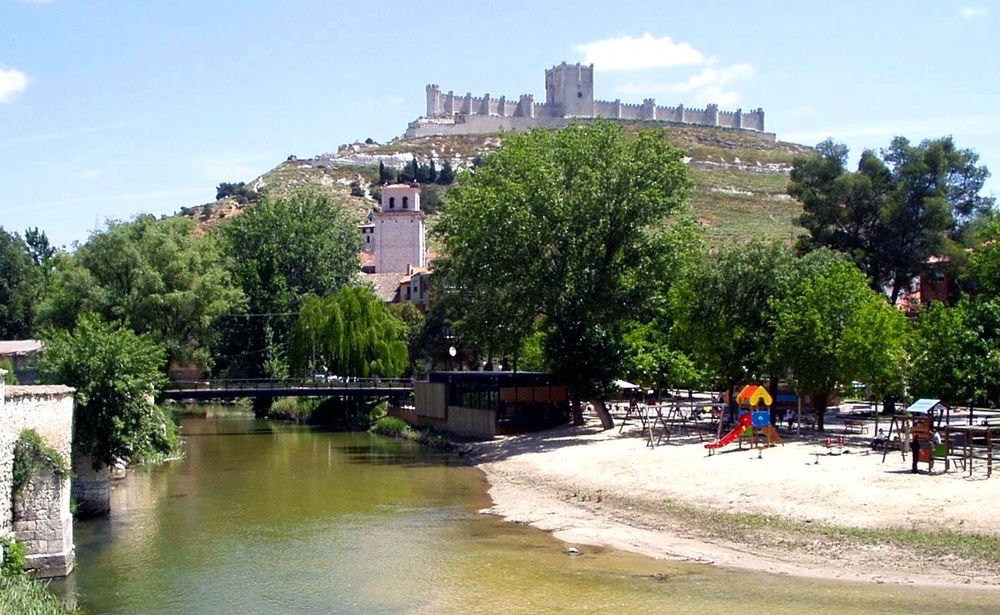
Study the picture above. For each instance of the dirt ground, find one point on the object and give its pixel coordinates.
(589, 486)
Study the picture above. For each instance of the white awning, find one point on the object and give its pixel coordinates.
(925, 405)
(622, 384)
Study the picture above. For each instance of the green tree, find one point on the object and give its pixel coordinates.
(829, 317)
(115, 373)
(447, 174)
(38, 246)
(652, 361)
(279, 252)
(554, 229)
(20, 287)
(152, 275)
(896, 211)
(385, 176)
(955, 354)
(723, 310)
(240, 192)
(984, 262)
(409, 172)
(654, 355)
(411, 316)
(351, 333)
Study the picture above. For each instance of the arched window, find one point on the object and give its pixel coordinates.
(406, 200)
(392, 202)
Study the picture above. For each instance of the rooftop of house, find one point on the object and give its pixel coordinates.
(20, 347)
(385, 285)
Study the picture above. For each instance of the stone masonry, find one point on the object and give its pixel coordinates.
(42, 518)
(569, 95)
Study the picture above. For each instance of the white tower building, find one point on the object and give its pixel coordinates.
(400, 235)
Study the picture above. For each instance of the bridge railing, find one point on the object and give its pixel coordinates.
(257, 384)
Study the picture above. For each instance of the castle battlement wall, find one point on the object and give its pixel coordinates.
(569, 90)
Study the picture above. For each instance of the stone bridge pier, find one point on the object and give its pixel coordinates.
(39, 514)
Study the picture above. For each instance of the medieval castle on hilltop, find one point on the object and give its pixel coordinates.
(569, 95)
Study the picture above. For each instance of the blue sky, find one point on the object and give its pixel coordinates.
(110, 109)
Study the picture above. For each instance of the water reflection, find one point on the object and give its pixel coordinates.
(274, 518)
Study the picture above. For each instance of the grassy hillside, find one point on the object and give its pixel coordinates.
(740, 178)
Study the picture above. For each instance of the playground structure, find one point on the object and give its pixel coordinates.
(968, 439)
(969, 445)
(752, 422)
(672, 415)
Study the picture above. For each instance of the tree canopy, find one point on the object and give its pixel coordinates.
(115, 373)
(20, 287)
(152, 275)
(898, 209)
(278, 252)
(553, 230)
(722, 307)
(350, 332)
(827, 322)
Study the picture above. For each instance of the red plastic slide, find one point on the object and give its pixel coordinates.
(742, 424)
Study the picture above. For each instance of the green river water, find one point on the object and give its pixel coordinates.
(270, 518)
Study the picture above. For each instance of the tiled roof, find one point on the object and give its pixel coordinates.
(12, 347)
(385, 285)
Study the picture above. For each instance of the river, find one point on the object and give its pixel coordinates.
(270, 518)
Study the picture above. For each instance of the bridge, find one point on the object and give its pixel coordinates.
(301, 387)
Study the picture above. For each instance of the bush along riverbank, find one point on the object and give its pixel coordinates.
(393, 427)
(20, 594)
(329, 412)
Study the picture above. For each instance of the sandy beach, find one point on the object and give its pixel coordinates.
(594, 487)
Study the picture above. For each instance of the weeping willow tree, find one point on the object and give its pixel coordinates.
(351, 333)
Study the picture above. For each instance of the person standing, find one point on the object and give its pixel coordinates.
(915, 452)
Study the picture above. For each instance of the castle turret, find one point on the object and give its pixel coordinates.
(433, 100)
(571, 88)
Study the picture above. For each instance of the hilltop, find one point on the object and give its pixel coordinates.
(740, 177)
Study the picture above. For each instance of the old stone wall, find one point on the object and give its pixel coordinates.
(488, 124)
(569, 93)
(49, 411)
(43, 522)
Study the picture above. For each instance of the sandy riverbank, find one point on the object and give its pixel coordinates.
(593, 487)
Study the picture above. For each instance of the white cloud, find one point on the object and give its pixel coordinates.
(711, 77)
(701, 88)
(91, 174)
(12, 81)
(971, 12)
(627, 53)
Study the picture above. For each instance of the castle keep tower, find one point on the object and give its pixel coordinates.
(571, 87)
(399, 237)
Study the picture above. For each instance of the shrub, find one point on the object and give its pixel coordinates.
(113, 371)
(14, 557)
(10, 377)
(390, 426)
(292, 409)
(30, 449)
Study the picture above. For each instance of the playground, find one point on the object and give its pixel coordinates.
(654, 488)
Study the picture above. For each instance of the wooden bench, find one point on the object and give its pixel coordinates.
(855, 426)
